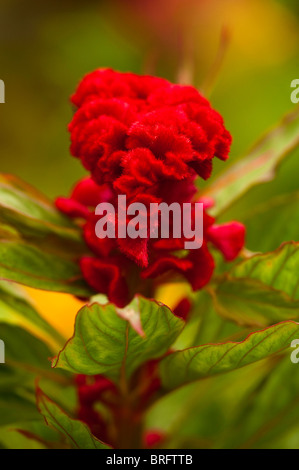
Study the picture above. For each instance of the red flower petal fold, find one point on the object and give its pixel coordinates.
(228, 238)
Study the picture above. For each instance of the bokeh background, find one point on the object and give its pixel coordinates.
(46, 47)
(243, 54)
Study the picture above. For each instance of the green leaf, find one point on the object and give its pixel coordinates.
(39, 246)
(16, 309)
(31, 435)
(28, 265)
(278, 269)
(76, 433)
(259, 166)
(211, 326)
(26, 356)
(271, 411)
(250, 303)
(104, 342)
(264, 224)
(261, 290)
(35, 218)
(15, 409)
(182, 367)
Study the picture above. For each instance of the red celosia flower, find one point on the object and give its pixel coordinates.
(182, 309)
(126, 124)
(90, 391)
(115, 262)
(153, 438)
(148, 139)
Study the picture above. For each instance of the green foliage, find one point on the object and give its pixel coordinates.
(264, 223)
(39, 246)
(35, 219)
(77, 434)
(277, 269)
(237, 339)
(34, 267)
(114, 343)
(185, 366)
(16, 309)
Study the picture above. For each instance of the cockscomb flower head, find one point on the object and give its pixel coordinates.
(136, 132)
(147, 139)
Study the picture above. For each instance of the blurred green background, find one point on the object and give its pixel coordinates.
(244, 52)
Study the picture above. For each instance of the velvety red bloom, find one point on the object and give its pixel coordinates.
(107, 276)
(85, 194)
(147, 139)
(153, 438)
(228, 238)
(90, 391)
(182, 309)
(120, 268)
(172, 128)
